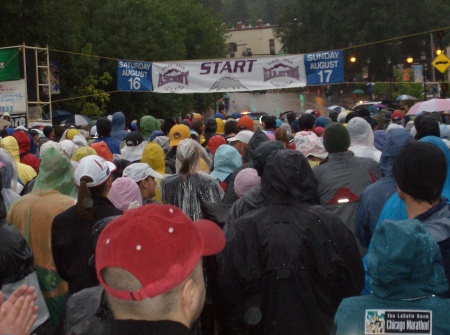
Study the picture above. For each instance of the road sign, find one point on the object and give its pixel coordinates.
(441, 62)
(134, 76)
(324, 67)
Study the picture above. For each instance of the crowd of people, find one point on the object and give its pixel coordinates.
(303, 224)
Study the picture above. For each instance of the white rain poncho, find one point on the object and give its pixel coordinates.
(362, 139)
(8, 169)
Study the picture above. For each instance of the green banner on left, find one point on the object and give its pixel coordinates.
(9, 64)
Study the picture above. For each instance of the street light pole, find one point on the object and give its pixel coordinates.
(423, 58)
(389, 62)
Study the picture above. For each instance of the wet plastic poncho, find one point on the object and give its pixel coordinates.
(118, 126)
(404, 263)
(25, 172)
(290, 262)
(148, 125)
(9, 178)
(186, 191)
(362, 139)
(395, 208)
(33, 215)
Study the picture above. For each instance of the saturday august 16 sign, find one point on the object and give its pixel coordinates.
(134, 76)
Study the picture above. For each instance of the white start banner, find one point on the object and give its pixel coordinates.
(13, 97)
(229, 75)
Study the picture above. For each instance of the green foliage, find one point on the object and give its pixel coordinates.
(94, 99)
(147, 30)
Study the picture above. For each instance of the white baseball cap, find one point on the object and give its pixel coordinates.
(96, 167)
(243, 136)
(140, 171)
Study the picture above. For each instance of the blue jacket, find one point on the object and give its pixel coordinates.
(404, 263)
(374, 196)
(112, 143)
(118, 126)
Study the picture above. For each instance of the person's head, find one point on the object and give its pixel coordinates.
(310, 145)
(6, 116)
(246, 180)
(48, 132)
(306, 122)
(420, 170)
(147, 125)
(210, 126)
(58, 132)
(405, 260)
(360, 132)
(55, 173)
(336, 138)
(101, 148)
(230, 128)
(104, 127)
(93, 178)
(215, 142)
(144, 176)
(427, 126)
(187, 156)
(35, 135)
(134, 146)
(178, 133)
(263, 151)
(241, 140)
(282, 136)
(123, 192)
(198, 126)
(245, 123)
(270, 122)
(226, 160)
(142, 263)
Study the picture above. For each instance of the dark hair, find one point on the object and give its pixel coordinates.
(104, 127)
(415, 175)
(59, 131)
(427, 126)
(350, 116)
(363, 112)
(121, 164)
(270, 122)
(47, 130)
(306, 121)
(85, 202)
(230, 127)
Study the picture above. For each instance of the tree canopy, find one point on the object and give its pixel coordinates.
(104, 31)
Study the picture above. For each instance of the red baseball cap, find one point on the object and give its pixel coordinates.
(397, 115)
(159, 245)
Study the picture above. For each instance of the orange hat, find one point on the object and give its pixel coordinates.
(102, 150)
(245, 123)
(178, 133)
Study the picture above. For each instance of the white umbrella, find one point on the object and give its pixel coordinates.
(433, 105)
(404, 97)
(77, 119)
(337, 108)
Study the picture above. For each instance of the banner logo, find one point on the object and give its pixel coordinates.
(227, 82)
(281, 73)
(173, 78)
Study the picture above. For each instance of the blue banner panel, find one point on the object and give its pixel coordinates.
(325, 67)
(134, 76)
